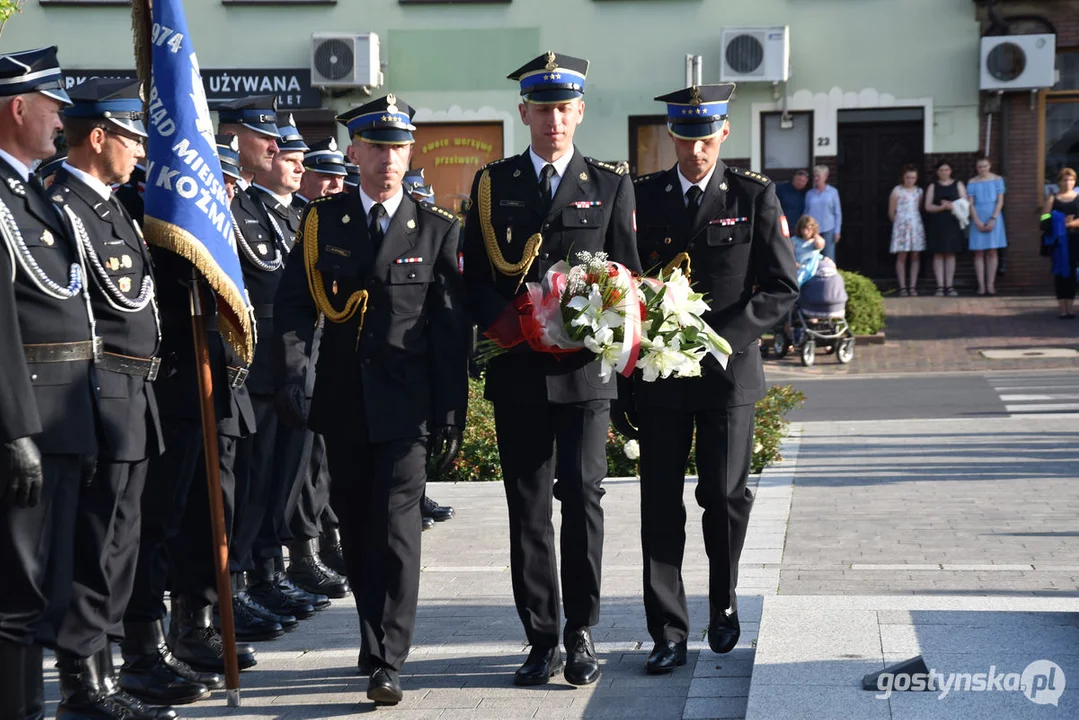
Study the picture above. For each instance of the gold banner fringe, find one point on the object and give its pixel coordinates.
(235, 324)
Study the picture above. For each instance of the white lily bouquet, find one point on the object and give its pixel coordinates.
(654, 324)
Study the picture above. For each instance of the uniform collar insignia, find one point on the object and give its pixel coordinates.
(16, 187)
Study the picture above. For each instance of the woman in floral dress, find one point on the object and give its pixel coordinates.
(908, 233)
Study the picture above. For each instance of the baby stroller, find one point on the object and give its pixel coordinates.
(818, 318)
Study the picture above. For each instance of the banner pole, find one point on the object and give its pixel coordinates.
(217, 508)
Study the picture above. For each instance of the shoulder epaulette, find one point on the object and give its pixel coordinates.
(436, 210)
(325, 198)
(756, 177)
(616, 169)
(499, 161)
(649, 176)
(59, 194)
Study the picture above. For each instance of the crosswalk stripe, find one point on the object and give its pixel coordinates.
(1042, 407)
(1032, 398)
(1038, 396)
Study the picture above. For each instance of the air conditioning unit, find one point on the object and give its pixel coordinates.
(756, 54)
(345, 60)
(1018, 62)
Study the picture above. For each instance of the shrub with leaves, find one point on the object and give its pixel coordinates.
(865, 305)
(478, 459)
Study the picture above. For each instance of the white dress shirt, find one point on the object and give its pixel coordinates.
(22, 170)
(686, 184)
(560, 166)
(390, 204)
(99, 188)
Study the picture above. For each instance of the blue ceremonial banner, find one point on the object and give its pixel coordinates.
(187, 208)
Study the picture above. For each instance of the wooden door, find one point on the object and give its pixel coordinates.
(650, 146)
(451, 153)
(871, 156)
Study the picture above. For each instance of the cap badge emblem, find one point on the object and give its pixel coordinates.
(695, 96)
(551, 64)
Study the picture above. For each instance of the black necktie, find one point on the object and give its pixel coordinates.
(375, 228)
(693, 202)
(545, 184)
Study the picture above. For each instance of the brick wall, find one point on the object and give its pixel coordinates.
(1015, 152)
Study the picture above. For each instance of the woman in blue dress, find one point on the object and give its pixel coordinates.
(986, 193)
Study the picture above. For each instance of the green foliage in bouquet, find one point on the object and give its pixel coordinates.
(865, 305)
(478, 459)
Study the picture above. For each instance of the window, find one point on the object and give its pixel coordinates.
(454, 2)
(786, 143)
(1060, 115)
(650, 147)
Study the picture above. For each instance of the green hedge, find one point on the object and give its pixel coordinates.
(478, 459)
(865, 305)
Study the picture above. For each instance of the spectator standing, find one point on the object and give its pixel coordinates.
(792, 195)
(986, 191)
(908, 233)
(944, 235)
(822, 202)
(1066, 201)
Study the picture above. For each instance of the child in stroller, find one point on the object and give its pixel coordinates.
(819, 316)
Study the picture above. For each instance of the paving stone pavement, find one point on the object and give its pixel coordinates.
(931, 334)
(469, 641)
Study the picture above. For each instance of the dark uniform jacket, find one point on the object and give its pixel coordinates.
(592, 210)
(262, 253)
(120, 271)
(285, 218)
(51, 401)
(741, 257)
(176, 388)
(405, 373)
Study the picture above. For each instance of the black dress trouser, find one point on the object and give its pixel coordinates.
(107, 530)
(724, 448)
(176, 543)
(37, 555)
(255, 492)
(376, 493)
(536, 444)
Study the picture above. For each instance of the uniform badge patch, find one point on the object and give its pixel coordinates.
(125, 261)
(583, 176)
(16, 187)
(411, 224)
(784, 227)
(262, 248)
(345, 219)
(113, 264)
(47, 239)
(124, 284)
(334, 250)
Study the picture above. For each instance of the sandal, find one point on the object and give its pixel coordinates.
(903, 292)
(913, 292)
(939, 292)
(951, 292)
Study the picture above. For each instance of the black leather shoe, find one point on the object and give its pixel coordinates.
(251, 627)
(82, 694)
(146, 674)
(194, 640)
(271, 597)
(428, 523)
(310, 573)
(542, 664)
(723, 631)
(297, 593)
(665, 657)
(287, 621)
(582, 667)
(135, 707)
(431, 509)
(384, 687)
(13, 665)
(330, 552)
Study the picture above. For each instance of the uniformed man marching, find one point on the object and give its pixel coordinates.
(551, 415)
(105, 134)
(724, 226)
(47, 417)
(391, 378)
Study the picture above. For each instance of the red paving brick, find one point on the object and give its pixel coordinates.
(931, 334)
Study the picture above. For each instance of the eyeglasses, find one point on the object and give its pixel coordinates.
(135, 142)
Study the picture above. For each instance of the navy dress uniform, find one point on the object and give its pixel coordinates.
(48, 419)
(732, 237)
(551, 414)
(262, 251)
(390, 375)
(121, 286)
(176, 550)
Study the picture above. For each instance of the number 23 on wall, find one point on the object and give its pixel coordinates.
(824, 141)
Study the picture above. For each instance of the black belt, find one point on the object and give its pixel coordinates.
(139, 367)
(264, 312)
(237, 377)
(63, 352)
